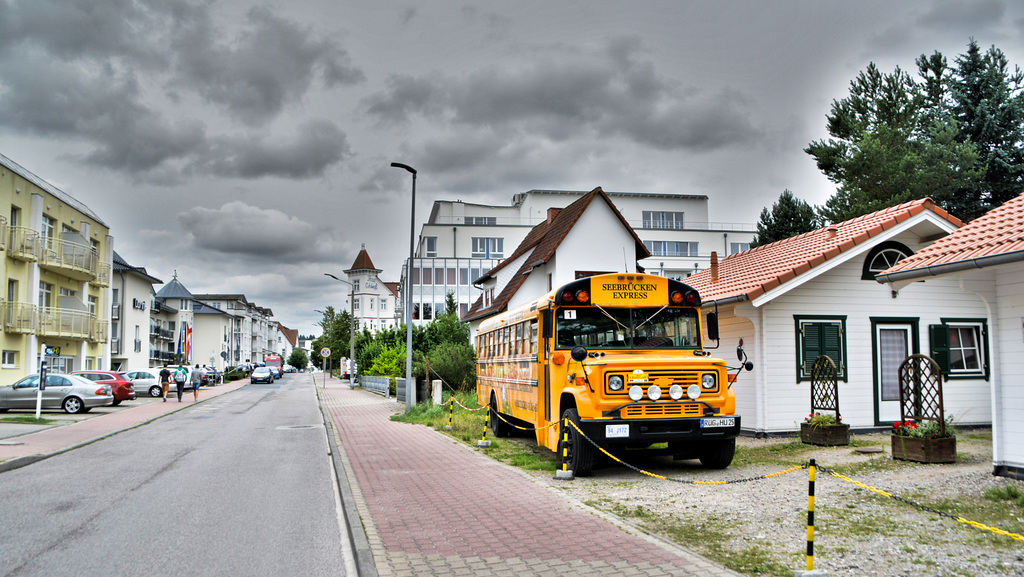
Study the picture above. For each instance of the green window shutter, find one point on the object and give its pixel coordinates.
(832, 344)
(939, 336)
(810, 346)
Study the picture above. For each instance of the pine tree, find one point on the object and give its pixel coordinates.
(789, 216)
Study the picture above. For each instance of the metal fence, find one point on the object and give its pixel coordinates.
(379, 385)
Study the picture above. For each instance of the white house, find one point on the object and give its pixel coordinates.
(461, 241)
(587, 237)
(211, 336)
(985, 260)
(373, 301)
(131, 325)
(816, 293)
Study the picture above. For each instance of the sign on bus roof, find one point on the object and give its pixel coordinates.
(628, 290)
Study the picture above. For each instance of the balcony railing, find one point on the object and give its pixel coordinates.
(115, 346)
(3, 233)
(78, 261)
(23, 243)
(26, 318)
(102, 274)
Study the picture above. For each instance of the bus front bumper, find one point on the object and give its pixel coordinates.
(615, 431)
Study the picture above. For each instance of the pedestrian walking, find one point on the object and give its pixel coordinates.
(180, 378)
(165, 380)
(197, 381)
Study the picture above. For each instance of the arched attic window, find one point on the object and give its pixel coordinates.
(884, 256)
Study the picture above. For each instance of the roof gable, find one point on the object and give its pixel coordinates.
(753, 273)
(540, 245)
(993, 238)
(362, 262)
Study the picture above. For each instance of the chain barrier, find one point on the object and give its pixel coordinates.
(684, 481)
(903, 500)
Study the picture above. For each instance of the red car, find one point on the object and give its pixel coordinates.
(120, 386)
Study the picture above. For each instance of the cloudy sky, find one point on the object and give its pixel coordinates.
(246, 145)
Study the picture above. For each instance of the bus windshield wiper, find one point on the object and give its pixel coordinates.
(607, 314)
(656, 313)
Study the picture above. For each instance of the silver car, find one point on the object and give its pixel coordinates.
(146, 381)
(71, 393)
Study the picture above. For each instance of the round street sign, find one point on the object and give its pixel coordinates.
(325, 352)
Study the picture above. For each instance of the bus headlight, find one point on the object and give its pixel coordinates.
(675, 392)
(693, 391)
(654, 392)
(636, 392)
(708, 381)
(615, 383)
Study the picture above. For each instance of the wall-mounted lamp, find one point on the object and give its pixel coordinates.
(17, 190)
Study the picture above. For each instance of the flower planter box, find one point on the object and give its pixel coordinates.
(825, 435)
(924, 450)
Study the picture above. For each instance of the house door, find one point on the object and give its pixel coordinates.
(893, 344)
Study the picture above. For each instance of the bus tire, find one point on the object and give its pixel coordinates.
(500, 427)
(580, 453)
(717, 454)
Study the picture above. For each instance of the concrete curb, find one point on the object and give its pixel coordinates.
(365, 565)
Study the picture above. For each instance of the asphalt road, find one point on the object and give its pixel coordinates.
(241, 484)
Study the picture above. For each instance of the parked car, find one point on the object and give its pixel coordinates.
(290, 369)
(121, 386)
(146, 381)
(71, 393)
(261, 375)
(278, 373)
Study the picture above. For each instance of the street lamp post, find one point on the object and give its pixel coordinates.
(410, 386)
(351, 326)
(327, 361)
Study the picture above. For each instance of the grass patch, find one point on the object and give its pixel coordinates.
(708, 535)
(28, 420)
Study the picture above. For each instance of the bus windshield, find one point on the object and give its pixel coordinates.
(627, 328)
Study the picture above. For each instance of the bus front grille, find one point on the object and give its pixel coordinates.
(653, 410)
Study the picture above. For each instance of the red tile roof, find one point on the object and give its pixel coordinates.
(1000, 231)
(362, 262)
(754, 272)
(541, 242)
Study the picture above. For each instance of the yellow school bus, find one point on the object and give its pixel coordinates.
(620, 355)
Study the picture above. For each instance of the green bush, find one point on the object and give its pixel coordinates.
(455, 364)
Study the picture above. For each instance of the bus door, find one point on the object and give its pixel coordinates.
(544, 372)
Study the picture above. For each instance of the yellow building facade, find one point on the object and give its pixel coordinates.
(56, 256)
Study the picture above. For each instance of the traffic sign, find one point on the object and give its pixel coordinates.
(325, 352)
(52, 351)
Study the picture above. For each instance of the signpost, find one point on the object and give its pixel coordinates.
(325, 353)
(44, 352)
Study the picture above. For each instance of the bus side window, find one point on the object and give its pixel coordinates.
(533, 337)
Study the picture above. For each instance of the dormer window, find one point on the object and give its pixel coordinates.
(882, 257)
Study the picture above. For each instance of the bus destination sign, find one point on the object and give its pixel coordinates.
(632, 290)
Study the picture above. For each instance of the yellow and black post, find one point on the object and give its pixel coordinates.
(810, 516)
(451, 412)
(483, 442)
(565, 474)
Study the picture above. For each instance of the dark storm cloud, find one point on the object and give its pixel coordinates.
(964, 15)
(94, 72)
(272, 63)
(318, 145)
(569, 95)
(240, 229)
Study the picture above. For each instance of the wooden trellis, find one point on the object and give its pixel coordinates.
(921, 391)
(825, 385)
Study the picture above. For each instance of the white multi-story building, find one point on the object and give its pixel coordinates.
(131, 321)
(176, 305)
(373, 301)
(461, 241)
(252, 333)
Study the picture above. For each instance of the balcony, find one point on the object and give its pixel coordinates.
(102, 274)
(26, 318)
(115, 346)
(3, 233)
(71, 259)
(23, 243)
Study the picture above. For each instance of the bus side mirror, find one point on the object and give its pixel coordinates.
(712, 326)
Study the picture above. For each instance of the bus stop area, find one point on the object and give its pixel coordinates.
(433, 506)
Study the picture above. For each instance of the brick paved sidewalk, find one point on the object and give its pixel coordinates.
(433, 506)
(20, 451)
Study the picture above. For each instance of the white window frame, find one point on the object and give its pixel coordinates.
(9, 359)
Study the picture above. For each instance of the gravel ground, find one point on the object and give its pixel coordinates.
(857, 532)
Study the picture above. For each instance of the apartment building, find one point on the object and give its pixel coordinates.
(132, 325)
(56, 255)
(461, 241)
(252, 335)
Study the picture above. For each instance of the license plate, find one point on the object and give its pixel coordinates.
(616, 431)
(721, 422)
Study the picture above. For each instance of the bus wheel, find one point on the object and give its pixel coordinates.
(580, 454)
(717, 454)
(499, 426)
